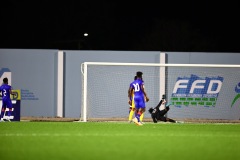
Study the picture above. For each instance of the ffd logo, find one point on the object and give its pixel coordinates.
(196, 91)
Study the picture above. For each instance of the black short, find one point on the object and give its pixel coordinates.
(162, 118)
(154, 117)
(159, 116)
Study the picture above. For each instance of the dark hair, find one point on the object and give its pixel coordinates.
(163, 96)
(5, 80)
(150, 110)
(139, 74)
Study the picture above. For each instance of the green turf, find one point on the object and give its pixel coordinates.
(118, 140)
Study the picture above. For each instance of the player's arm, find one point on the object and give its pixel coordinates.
(130, 90)
(159, 104)
(11, 92)
(144, 92)
(168, 106)
(161, 101)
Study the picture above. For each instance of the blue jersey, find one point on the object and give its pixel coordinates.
(138, 93)
(5, 90)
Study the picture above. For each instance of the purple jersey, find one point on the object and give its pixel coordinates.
(5, 89)
(138, 93)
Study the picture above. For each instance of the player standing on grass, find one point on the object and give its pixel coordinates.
(5, 91)
(137, 87)
(132, 107)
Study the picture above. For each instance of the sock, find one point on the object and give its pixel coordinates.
(2, 113)
(131, 115)
(9, 112)
(141, 117)
(138, 116)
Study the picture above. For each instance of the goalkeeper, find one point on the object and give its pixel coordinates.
(159, 112)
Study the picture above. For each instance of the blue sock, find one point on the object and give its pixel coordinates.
(9, 112)
(2, 113)
(138, 117)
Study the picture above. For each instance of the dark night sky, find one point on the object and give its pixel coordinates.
(201, 26)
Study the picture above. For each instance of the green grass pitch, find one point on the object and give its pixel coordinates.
(118, 141)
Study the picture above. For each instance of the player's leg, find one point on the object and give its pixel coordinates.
(171, 120)
(9, 106)
(132, 111)
(141, 111)
(3, 111)
(137, 117)
(136, 120)
(162, 118)
(142, 115)
(138, 111)
(154, 117)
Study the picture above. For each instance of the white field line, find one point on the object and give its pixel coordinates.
(112, 135)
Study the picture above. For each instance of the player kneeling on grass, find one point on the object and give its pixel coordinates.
(159, 112)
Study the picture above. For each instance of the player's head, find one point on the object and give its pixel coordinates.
(5, 80)
(150, 110)
(139, 74)
(163, 96)
(135, 77)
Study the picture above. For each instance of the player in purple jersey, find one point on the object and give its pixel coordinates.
(5, 91)
(137, 88)
(132, 107)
